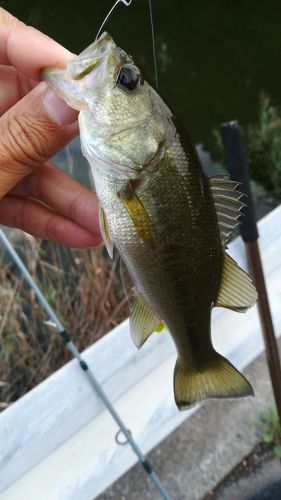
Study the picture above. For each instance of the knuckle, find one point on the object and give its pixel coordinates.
(23, 141)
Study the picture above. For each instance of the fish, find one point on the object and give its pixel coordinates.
(167, 219)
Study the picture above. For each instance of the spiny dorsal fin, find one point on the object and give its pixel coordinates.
(104, 229)
(143, 321)
(228, 205)
(237, 291)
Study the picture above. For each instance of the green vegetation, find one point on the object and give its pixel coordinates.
(270, 430)
(263, 147)
(84, 289)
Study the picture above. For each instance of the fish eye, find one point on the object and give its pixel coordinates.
(129, 77)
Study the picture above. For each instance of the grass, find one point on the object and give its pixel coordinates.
(270, 430)
(263, 147)
(85, 291)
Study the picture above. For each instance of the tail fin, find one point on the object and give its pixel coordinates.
(217, 379)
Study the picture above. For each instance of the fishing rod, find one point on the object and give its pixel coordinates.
(84, 366)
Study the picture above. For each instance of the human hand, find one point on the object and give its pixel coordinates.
(34, 125)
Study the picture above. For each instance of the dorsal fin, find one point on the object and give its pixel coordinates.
(228, 204)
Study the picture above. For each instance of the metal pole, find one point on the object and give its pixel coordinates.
(238, 169)
(88, 372)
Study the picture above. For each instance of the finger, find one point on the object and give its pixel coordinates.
(32, 131)
(27, 49)
(63, 194)
(40, 221)
(13, 86)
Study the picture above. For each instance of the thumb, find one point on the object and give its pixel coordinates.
(31, 132)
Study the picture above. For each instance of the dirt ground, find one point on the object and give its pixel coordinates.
(257, 477)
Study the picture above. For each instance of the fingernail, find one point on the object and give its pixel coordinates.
(58, 110)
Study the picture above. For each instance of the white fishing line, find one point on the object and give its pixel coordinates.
(125, 2)
(153, 44)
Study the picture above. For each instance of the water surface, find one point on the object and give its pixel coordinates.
(215, 57)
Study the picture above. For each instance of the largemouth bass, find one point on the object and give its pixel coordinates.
(168, 220)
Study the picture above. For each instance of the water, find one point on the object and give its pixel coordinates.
(214, 57)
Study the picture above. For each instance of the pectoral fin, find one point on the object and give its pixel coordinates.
(139, 217)
(143, 321)
(104, 229)
(237, 291)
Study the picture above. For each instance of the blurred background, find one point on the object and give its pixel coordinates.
(214, 58)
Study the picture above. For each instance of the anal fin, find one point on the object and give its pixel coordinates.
(237, 291)
(143, 321)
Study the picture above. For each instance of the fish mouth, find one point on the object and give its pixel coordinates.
(91, 57)
(69, 82)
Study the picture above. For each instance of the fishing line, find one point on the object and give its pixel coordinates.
(127, 3)
(153, 44)
(83, 365)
